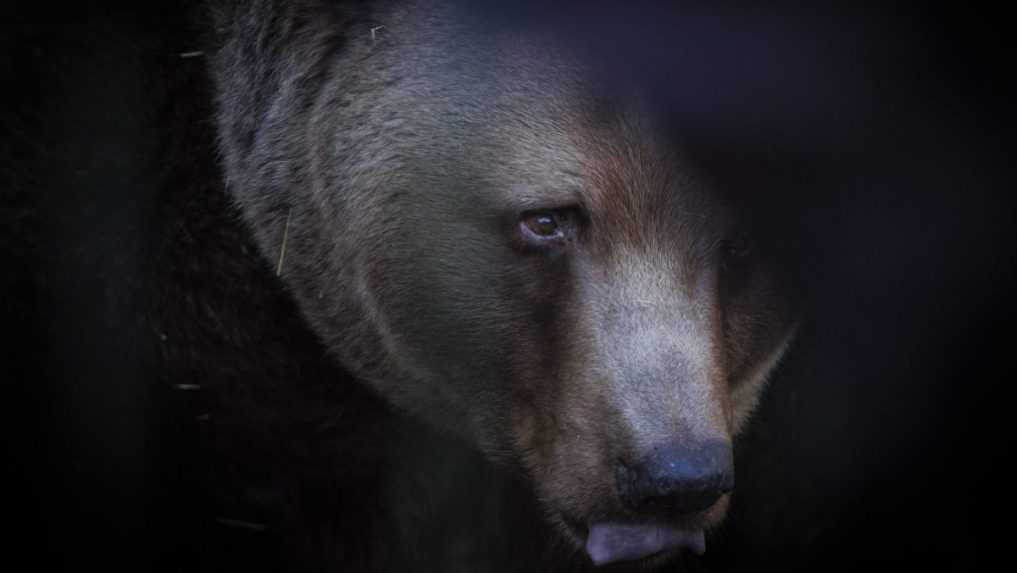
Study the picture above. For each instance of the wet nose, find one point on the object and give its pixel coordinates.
(677, 478)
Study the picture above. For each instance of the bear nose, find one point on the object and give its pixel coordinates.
(677, 478)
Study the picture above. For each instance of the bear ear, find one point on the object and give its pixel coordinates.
(256, 50)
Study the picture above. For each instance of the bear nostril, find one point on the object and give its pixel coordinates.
(677, 478)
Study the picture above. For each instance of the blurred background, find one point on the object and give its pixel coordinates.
(873, 145)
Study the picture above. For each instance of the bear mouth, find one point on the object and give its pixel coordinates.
(611, 542)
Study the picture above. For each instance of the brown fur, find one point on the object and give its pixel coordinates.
(396, 161)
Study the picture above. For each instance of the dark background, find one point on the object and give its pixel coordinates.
(883, 139)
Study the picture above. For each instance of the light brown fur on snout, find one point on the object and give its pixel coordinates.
(654, 345)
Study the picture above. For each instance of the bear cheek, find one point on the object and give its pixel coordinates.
(557, 432)
(537, 340)
(758, 326)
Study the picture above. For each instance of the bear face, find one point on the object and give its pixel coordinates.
(509, 248)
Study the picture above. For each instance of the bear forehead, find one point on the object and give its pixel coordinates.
(533, 124)
(547, 139)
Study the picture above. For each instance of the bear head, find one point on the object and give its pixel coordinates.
(483, 228)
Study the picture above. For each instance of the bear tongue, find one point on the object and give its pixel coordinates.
(610, 542)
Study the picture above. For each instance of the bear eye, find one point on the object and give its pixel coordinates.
(738, 248)
(542, 223)
(545, 225)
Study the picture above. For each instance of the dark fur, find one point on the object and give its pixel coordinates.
(380, 155)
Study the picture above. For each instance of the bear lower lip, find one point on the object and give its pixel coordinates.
(611, 542)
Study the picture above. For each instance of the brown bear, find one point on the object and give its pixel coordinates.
(501, 243)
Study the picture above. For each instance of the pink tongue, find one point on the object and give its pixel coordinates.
(610, 542)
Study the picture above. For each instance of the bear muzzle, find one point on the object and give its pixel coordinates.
(673, 482)
(676, 478)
